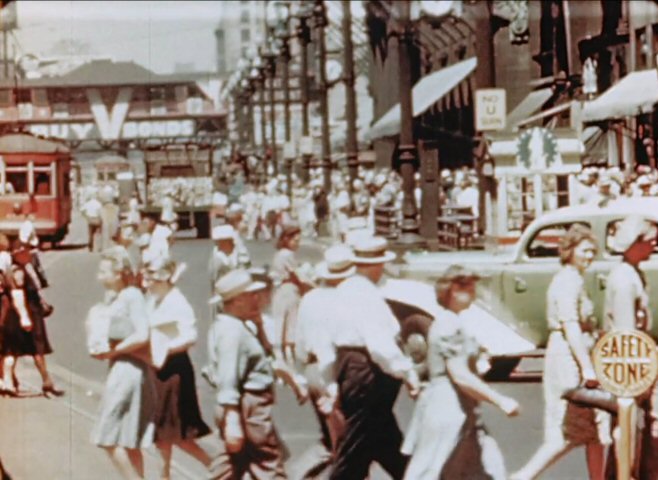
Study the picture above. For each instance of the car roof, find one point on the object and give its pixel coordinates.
(645, 206)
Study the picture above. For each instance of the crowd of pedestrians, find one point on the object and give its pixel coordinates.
(325, 331)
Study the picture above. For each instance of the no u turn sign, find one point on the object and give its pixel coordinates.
(626, 362)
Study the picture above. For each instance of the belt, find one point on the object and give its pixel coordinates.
(254, 391)
(362, 350)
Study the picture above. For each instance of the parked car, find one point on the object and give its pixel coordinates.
(515, 284)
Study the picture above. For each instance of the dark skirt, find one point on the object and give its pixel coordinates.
(179, 416)
(18, 342)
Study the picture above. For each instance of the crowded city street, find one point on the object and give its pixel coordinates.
(329, 239)
(63, 427)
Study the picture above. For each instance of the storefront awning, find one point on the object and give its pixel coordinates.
(531, 104)
(429, 90)
(634, 94)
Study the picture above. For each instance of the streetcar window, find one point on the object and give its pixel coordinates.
(18, 182)
(42, 183)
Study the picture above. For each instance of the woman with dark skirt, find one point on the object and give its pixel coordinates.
(5, 306)
(24, 331)
(173, 333)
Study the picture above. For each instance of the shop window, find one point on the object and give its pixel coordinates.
(17, 181)
(611, 230)
(546, 242)
(521, 198)
(23, 96)
(6, 98)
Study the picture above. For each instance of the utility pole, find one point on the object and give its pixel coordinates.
(285, 57)
(304, 35)
(351, 146)
(271, 59)
(320, 23)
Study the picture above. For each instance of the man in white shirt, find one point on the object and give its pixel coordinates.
(316, 319)
(91, 210)
(469, 196)
(369, 369)
(224, 257)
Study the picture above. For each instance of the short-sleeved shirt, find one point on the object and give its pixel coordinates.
(625, 297)
(447, 338)
(238, 361)
(567, 299)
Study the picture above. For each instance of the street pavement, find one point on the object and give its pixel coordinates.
(49, 438)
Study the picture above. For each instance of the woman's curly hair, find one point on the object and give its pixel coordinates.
(576, 234)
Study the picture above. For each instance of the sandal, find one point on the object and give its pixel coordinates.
(49, 389)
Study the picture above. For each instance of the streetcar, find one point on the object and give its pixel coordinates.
(35, 184)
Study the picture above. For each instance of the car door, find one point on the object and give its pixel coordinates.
(526, 281)
(607, 260)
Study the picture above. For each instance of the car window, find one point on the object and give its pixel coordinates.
(546, 242)
(610, 230)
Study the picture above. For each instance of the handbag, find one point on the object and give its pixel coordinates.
(592, 398)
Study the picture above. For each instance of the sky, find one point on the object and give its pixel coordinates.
(155, 34)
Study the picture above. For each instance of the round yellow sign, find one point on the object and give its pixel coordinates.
(626, 362)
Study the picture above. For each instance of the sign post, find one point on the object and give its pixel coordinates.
(626, 365)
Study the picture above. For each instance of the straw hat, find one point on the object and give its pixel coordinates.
(371, 250)
(337, 263)
(630, 230)
(164, 269)
(223, 232)
(644, 181)
(233, 284)
(235, 209)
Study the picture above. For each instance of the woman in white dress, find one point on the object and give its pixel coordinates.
(446, 437)
(173, 333)
(125, 422)
(568, 364)
(287, 288)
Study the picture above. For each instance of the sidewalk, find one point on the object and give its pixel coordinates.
(50, 438)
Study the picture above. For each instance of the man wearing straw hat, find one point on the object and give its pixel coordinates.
(225, 256)
(369, 367)
(315, 351)
(241, 369)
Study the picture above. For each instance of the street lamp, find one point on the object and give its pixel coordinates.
(351, 146)
(270, 60)
(259, 74)
(282, 35)
(409, 236)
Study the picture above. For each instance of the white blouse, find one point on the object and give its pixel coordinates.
(173, 325)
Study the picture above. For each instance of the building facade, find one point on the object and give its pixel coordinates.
(242, 28)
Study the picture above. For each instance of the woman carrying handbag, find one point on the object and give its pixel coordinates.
(568, 364)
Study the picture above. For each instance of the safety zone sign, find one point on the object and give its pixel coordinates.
(626, 362)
